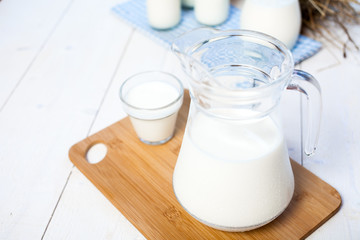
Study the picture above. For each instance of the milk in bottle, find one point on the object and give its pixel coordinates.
(278, 18)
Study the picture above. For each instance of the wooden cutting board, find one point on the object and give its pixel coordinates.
(137, 179)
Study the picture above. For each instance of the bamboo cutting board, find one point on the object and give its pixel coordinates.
(137, 179)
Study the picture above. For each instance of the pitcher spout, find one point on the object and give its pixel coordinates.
(183, 45)
(186, 47)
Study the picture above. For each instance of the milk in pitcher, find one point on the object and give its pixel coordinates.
(214, 177)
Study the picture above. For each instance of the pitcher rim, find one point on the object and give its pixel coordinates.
(280, 46)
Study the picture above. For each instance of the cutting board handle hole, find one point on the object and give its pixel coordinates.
(96, 153)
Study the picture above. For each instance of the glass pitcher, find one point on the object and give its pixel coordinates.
(233, 171)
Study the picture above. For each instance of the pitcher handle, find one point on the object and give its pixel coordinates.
(309, 86)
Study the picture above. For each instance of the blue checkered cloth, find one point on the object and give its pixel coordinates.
(134, 12)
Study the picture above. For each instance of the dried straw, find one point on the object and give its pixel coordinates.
(318, 15)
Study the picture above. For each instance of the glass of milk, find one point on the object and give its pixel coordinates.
(152, 101)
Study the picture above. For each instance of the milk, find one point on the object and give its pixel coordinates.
(155, 131)
(153, 110)
(211, 12)
(233, 175)
(188, 3)
(152, 95)
(163, 14)
(278, 18)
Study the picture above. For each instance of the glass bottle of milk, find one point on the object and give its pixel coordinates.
(278, 18)
(163, 14)
(211, 12)
(187, 3)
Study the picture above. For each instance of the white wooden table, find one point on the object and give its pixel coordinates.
(61, 65)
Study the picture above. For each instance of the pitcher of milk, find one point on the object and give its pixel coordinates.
(233, 171)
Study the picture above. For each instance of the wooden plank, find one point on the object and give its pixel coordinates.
(137, 179)
(142, 54)
(25, 27)
(54, 106)
(337, 158)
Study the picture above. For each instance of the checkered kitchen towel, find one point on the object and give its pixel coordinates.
(134, 12)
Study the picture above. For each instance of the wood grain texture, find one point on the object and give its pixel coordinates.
(337, 158)
(25, 28)
(54, 106)
(79, 195)
(137, 179)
